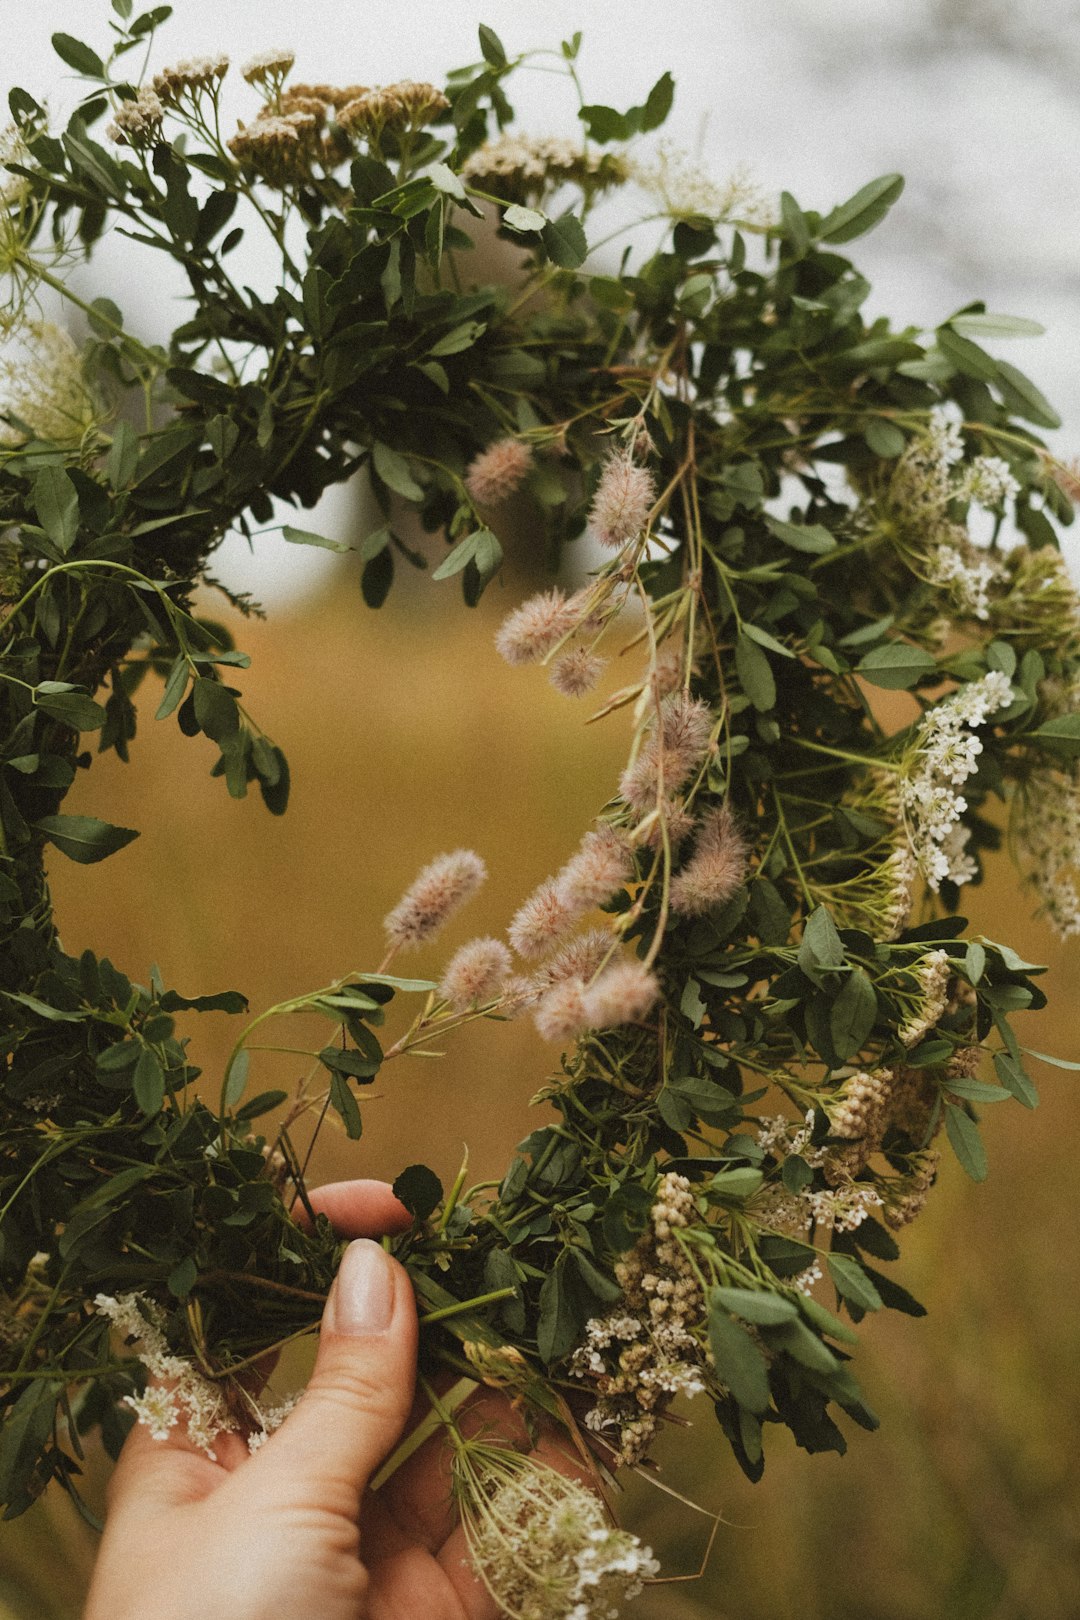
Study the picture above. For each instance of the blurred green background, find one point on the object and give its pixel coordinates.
(407, 736)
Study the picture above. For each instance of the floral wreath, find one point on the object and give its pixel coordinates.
(768, 1005)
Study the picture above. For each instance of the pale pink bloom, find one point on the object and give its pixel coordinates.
(602, 865)
(622, 503)
(475, 973)
(496, 472)
(623, 993)
(716, 868)
(531, 630)
(668, 669)
(439, 890)
(518, 992)
(561, 1013)
(685, 728)
(576, 672)
(541, 921)
(679, 821)
(579, 958)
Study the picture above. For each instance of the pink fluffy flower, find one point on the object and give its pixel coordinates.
(475, 973)
(622, 994)
(601, 866)
(533, 629)
(542, 921)
(676, 748)
(576, 672)
(716, 868)
(624, 498)
(439, 890)
(498, 471)
(579, 958)
(561, 1012)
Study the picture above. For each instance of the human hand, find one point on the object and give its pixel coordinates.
(288, 1533)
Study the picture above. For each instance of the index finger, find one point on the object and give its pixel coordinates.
(356, 1209)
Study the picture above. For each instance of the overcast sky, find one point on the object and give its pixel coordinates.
(974, 102)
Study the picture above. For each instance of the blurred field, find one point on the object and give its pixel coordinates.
(406, 737)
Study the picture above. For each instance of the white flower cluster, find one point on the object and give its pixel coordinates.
(945, 754)
(178, 1392)
(138, 120)
(686, 191)
(1048, 842)
(42, 387)
(646, 1350)
(544, 1547)
(933, 975)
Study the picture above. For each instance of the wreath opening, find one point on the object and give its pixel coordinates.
(773, 1018)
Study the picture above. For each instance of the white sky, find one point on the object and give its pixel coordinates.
(973, 101)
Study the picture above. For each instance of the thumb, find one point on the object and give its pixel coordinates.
(360, 1394)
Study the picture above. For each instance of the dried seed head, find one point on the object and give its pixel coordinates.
(440, 890)
(498, 471)
(268, 67)
(137, 122)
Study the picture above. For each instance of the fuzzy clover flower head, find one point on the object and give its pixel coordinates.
(439, 891)
(601, 866)
(673, 748)
(624, 993)
(624, 498)
(531, 631)
(716, 869)
(494, 474)
(576, 672)
(542, 921)
(476, 973)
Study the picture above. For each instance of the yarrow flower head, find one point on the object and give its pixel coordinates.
(1047, 820)
(43, 389)
(944, 755)
(498, 471)
(439, 891)
(190, 78)
(523, 168)
(268, 67)
(541, 1542)
(178, 1392)
(137, 121)
(624, 498)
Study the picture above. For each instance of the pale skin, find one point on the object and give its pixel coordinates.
(292, 1531)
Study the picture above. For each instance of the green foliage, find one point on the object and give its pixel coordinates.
(803, 512)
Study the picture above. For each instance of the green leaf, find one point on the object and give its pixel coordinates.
(123, 457)
(810, 537)
(966, 356)
(148, 1082)
(805, 1346)
(75, 709)
(757, 1305)
(564, 241)
(78, 56)
(1062, 734)
(1015, 1078)
(304, 537)
(853, 1014)
(377, 577)
(175, 687)
(755, 673)
(764, 639)
(975, 961)
(456, 559)
(236, 1077)
(853, 1283)
(863, 211)
(794, 223)
(896, 666)
(55, 1015)
(56, 502)
(739, 1363)
(420, 1190)
(491, 47)
(995, 326)
(215, 709)
(517, 218)
(342, 1060)
(821, 948)
(455, 342)
(658, 103)
(966, 1142)
(84, 839)
(262, 1104)
(346, 1105)
(1023, 398)
(557, 1327)
(885, 439)
(1058, 1063)
(393, 469)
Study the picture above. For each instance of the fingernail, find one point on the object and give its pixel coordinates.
(363, 1295)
